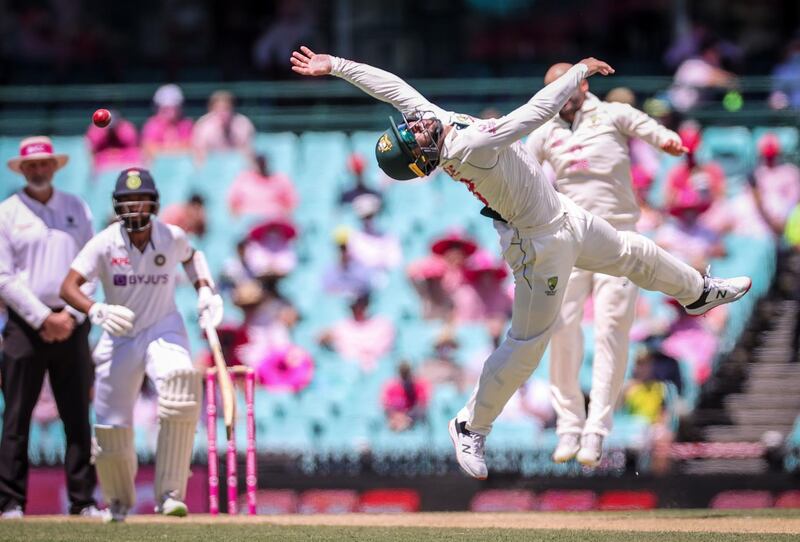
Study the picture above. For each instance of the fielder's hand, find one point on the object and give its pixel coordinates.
(115, 319)
(597, 66)
(674, 147)
(209, 307)
(307, 62)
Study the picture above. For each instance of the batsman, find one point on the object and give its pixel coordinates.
(135, 259)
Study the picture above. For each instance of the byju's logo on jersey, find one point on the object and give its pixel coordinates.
(149, 280)
(552, 282)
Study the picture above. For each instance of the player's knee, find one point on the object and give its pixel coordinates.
(180, 394)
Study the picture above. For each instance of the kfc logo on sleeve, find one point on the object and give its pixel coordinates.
(122, 260)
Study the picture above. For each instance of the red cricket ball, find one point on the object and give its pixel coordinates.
(101, 118)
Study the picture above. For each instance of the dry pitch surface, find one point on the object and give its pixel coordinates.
(661, 526)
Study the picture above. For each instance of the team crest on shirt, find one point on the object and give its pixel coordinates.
(160, 260)
(134, 181)
(384, 145)
(552, 282)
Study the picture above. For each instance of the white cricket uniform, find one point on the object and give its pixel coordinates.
(145, 283)
(543, 235)
(591, 160)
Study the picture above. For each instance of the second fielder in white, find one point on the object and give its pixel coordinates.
(543, 234)
(136, 260)
(587, 146)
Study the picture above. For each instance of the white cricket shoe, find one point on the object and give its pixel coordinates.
(568, 445)
(718, 292)
(115, 513)
(92, 511)
(591, 450)
(15, 512)
(170, 506)
(469, 449)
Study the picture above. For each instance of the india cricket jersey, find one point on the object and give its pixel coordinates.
(485, 155)
(143, 281)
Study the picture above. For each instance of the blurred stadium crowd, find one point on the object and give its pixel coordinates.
(367, 306)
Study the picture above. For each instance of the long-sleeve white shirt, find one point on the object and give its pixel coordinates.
(591, 157)
(37, 245)
(486, 155)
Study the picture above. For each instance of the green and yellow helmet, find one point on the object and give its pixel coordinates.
(400, 156)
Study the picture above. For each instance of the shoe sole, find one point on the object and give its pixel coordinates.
(451, 429)
(564, 459)
(180, 512)
(716, 303)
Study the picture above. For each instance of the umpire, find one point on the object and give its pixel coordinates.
(41, 231)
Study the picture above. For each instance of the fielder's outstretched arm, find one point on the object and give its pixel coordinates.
(378, 83)
(545, 104)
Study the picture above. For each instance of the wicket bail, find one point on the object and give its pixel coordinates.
(251, 477)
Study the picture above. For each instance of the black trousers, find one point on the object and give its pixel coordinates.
(26, 358)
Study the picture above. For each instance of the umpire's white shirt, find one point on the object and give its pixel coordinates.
(38, 241)
(142, 281)
(591, 157)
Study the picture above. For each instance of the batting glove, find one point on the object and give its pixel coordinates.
(209, 307)
(115, 319)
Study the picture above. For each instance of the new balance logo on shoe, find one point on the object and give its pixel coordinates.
(465, 448)
(721, 294)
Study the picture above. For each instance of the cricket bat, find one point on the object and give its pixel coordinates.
(226, 390)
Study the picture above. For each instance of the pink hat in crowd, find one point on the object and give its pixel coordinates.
(36, 148)
(283, 227)
(355, 163)
(690, 137)
(287, 368)
(483, 262)
(769, 146)
(454, 239)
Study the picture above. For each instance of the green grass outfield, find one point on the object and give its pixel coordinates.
(661, 526)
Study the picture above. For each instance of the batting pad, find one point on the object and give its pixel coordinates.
(115, 462)
(179, 396)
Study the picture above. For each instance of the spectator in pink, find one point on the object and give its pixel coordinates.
(190, 215)
(115, 146)
(440, 278)
(268, 320)
(684, 235)
(286, 369)
(485, 298)
(404, 399)
(368, 245)
(695, 340)
(260, 192)
(361, 338)
(168, 131)
(269, 250)
(222, 128)
(776, 183)
(690, 175)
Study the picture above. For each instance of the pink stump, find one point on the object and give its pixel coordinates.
(251, 472)
(211, 430)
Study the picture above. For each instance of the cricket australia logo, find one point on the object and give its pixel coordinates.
(384, 145)
(552, 282)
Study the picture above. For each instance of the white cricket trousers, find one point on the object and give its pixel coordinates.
(121, 364)
(614, 300)
(542, 259)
